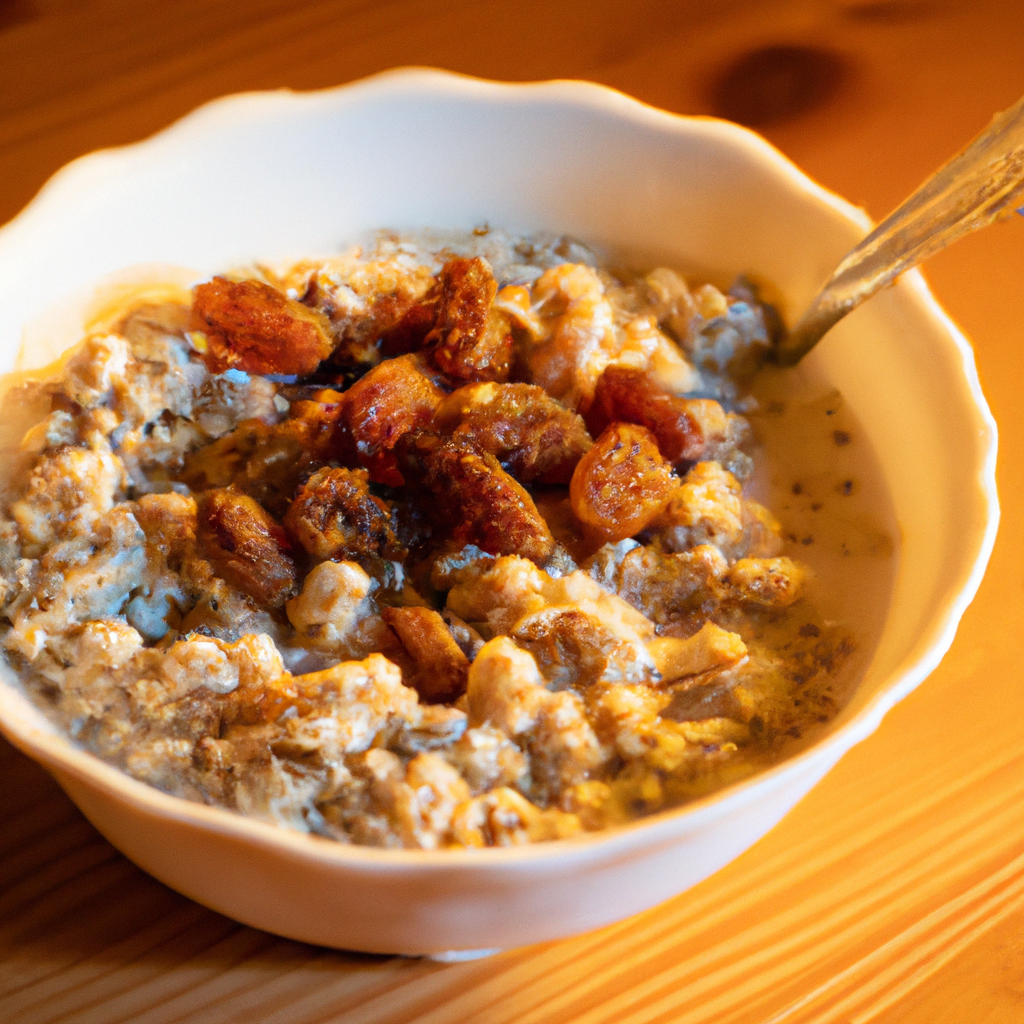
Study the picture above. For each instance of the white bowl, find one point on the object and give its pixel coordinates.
(277, 175)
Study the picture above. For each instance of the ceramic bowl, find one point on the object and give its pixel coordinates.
(278, 175)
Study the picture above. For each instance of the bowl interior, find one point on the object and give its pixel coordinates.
(275, 176)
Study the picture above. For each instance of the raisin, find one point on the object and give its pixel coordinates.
(622, 483)
(253, 327)
(245, 546)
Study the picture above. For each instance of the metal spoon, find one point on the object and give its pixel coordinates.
(980, 185)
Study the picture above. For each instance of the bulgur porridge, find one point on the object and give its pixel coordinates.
(451, 541)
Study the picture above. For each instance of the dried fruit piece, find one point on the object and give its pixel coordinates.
(441, 666)
(393, 398)
(633, 396)
(472, 338)
(525, 429)
(245, 546)
(477, 502)
(622, 483)
(253, 327)
(334, 516)
(409, 332)
(667, 588)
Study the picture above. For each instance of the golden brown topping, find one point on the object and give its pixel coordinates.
(477, 502)
(360, 696)
(711, 648)
(441, 667)
(528, 432)
(543, 698)
(473, 340)
(409, 331)
(334, 516)
(774, 582)
(316, 424)
(246, 546)
(250, 326)
(393, 398)
(622, 483)
(633, 396)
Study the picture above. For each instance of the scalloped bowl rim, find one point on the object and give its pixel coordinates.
(54, 750)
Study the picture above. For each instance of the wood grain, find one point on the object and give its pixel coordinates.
(895, 891)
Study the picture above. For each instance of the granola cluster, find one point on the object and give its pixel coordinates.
(427, 546)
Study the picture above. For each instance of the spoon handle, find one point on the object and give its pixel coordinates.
(978, 186)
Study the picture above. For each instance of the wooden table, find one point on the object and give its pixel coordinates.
(895, 891)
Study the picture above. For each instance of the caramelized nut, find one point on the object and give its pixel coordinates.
(533, 436)
(245, 546)
(393, 398)
(633, 396)
(477, 502)
(472, 339)
(441, 667)
(334, 516)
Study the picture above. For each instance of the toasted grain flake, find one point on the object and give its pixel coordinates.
(335, 595)
(575, 648)
(773, 582)
(711, 648)
(441, 667)
(580, 337)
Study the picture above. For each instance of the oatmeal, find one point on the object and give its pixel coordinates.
(448, 543)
